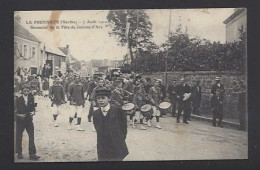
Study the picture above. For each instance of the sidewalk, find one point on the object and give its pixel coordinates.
(226, 123)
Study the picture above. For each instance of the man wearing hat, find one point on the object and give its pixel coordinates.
(219, 86)
(24, 111)
(57, 97)
(217, 108)
(111, 126)
(155, 96)
(172, 89)
(77, 102)
(196, 98)
(184, 100)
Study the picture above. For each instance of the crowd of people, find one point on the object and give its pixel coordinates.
(143, 99)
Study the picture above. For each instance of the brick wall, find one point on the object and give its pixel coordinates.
(232, 82)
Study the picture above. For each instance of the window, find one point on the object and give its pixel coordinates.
(24, 51)
(33, 52)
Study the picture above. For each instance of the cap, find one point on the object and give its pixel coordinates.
(103, 92)
(217, 78)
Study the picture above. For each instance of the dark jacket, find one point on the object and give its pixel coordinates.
(181, 90)
(196, 96)
(222, 90)
(56, 94)
(45, 84)
(172, 91)
(21, 108)
(163, 90)
(76, 94)
(217, 104)
(117, 129)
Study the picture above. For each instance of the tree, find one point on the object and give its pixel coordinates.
(140, 37)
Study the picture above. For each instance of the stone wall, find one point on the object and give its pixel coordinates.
(232, 82)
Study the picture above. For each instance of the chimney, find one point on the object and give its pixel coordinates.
(18, 19)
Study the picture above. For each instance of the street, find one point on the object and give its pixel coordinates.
(194, 141)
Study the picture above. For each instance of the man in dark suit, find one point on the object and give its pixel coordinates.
(111, 127)
(196, 98)
(173, 96)
(24, 111)
(184, 101)
(219, 86)
(217, 108)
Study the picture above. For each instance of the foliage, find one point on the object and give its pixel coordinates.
(194, 54)
(139, 35)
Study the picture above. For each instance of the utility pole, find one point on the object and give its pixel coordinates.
(167, 53)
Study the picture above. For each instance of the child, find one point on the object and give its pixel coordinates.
(111, 127)
(217, 108)
(139, 101)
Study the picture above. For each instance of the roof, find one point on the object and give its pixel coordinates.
(65, 51)
(53, 50)
(21, 32)
(236, 13)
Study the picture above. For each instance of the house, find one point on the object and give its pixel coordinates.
(26, 50)
(234, 23)
(53, 61)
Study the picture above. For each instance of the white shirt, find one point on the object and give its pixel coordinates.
(218, 84)
(25, 99)
(105, 109)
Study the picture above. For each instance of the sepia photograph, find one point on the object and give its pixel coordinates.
(130, 85)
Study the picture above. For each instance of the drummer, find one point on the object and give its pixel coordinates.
(117, 96)
(139, 101)
(154, 96)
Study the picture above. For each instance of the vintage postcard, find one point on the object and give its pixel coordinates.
(130, 85)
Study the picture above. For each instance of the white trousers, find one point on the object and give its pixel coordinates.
(55, 109)
(156, 112)
(76, 109)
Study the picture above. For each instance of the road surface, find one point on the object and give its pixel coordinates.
(194, 141)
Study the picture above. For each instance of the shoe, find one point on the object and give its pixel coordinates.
(189, 119)
(34, 157)
(55, 124)
(158, 126)
(214, 125)
(69, 128)
(220, 126)
(186, 122)
(149, 123)
(143, 128)
(178, 120)
(20, 156)
(80, 129)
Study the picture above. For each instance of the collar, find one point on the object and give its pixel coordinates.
(106, 108)
(25, 97)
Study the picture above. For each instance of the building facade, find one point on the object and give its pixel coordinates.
(26, 51)
(54, 61)
(234, 23)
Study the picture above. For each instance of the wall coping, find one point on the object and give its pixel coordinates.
(196, 72)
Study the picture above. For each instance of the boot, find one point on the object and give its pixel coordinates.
(142, 128)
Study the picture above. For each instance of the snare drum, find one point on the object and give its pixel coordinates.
(165, 107)
(146, 110)
(128, 108)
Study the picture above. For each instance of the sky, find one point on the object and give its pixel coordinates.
(87, 44)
